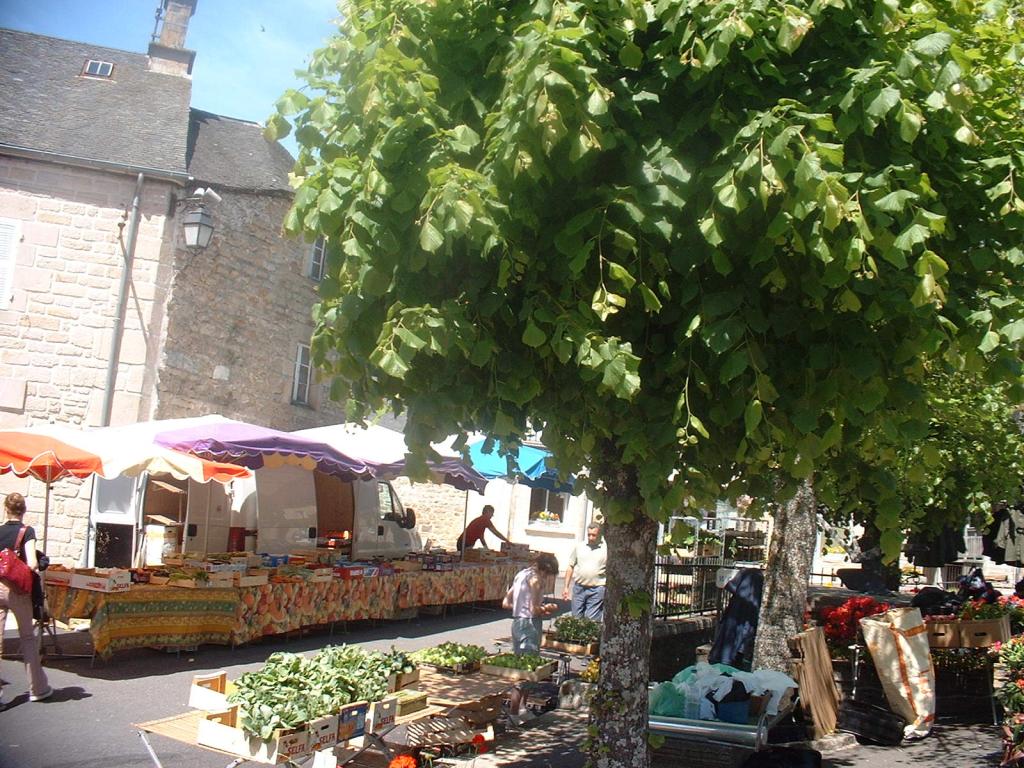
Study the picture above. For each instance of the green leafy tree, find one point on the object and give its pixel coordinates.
(703, 246)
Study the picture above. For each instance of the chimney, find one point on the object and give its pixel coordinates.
(167, 51)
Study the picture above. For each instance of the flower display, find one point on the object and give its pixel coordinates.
(842, 622)
(404, 761)
(977, 610)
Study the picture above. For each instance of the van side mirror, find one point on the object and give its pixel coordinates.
(311, 533)
(192, 529)
(380, 530)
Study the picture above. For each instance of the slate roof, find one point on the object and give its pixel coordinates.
(232, 154)
(135, 118)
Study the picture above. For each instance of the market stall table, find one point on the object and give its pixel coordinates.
(466, 583)
(281, 607)
(148, 616)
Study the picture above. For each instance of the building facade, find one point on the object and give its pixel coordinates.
(100, 152)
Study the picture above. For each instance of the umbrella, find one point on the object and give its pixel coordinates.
(384, 450)
(252, 446)
(530, 466)
(52, 452)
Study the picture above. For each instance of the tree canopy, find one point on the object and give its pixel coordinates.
(700, 245)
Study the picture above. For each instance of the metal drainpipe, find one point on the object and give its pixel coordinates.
(115, 344)
(122, 303)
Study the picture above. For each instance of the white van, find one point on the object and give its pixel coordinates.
(288, 507)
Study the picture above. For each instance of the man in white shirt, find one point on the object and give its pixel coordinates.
(585, 574)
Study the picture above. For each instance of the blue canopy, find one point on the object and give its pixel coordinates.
(530, 466)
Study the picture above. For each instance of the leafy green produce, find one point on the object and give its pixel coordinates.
(570, 629)
(527, 661)
(289, 689)
(450, 655)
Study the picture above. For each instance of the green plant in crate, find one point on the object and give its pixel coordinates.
(1011, 695)
(450, 655)
(1011, 654)
(527, 661)
(570, 629)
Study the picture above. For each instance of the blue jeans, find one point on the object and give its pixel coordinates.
(587, 602)
(526, 635)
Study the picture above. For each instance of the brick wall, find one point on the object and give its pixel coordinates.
(211, 333)
(439, 510)
(55, 334)
(236, 315)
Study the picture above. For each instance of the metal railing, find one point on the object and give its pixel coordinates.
(687, 586)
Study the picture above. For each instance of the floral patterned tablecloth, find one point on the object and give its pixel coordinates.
(276, 608)
(148, 616)
(465, 584)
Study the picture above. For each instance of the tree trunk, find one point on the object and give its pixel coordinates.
(785, 580)
(618, 715)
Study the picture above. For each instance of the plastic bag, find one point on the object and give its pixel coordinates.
(667, 699)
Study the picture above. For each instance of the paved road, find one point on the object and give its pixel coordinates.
(87, 723)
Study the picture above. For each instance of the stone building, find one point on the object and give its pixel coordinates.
(99, 153)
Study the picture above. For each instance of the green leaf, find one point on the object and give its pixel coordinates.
(1014, 331)
(734, 365)
(464, 139)
(989, 342)
(910, 124)
(277, 128)
(430, 238)
(392, 364)
(882, 102)
(631, 56)
(533, 336)
(934, 45)
(913, 235)
(698, 425)
(596, 104)
(752, 416)
(291, 102)
(651, 302)
(896, 201)
(793, 29)
(409, 338)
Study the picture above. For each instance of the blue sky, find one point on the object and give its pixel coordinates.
(246, 50)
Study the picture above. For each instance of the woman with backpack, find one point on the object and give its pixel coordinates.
(20, 538)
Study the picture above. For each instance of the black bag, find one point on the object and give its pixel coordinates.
(870, 723)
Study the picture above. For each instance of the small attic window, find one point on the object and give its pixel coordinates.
(97, 68)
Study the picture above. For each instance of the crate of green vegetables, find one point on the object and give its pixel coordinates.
(573, 635)
(522, 666)
(454, 658)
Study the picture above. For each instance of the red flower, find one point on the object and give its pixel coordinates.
(480, 743)
(404, 761)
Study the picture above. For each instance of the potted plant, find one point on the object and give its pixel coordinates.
(574, 635)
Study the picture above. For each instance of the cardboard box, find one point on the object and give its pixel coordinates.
(252, 579)
(349, 571)
(407, 565)
(398, 681)
(101, 579)
(220, 730)
(382, 714)
(985, 632)
(209, 692)
(943, 634)
(352, 721)
(158, 581)
(323, 732)
(410, 701)
(541, 673)
(61, 577)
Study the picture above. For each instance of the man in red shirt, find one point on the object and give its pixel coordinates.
(475, 531)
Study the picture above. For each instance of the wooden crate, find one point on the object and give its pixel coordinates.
(508, 673)
(551, 641)
(943, 634)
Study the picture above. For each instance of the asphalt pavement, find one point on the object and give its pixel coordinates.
(88, 721)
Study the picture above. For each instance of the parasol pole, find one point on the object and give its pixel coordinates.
(46, 515)
(206, 531)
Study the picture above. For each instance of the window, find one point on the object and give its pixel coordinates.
(303, 371)
(8, 253)
(547, 506)
(389, 506)
(318, 258)
(94, 68)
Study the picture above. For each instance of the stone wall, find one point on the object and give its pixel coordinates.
(440, 510)
(237, 313)
(55, 333)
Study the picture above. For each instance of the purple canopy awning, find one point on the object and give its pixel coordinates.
(252, 446)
